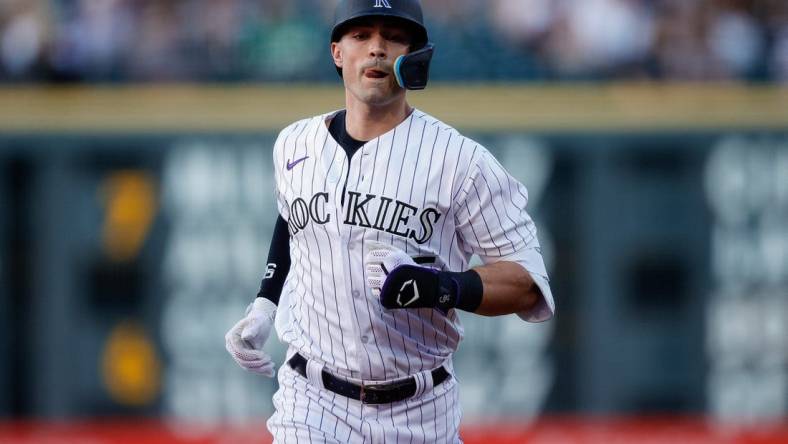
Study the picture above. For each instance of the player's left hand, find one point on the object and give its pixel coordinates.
(399, 282)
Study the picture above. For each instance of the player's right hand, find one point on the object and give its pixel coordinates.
(245, 340)
(396, 279)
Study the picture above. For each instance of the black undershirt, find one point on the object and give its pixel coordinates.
(338, 131)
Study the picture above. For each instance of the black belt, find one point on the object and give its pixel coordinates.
(382, 393)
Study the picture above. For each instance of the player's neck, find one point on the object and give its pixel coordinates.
(366, 122)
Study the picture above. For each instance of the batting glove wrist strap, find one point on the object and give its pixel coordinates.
(264, 306)
(469, 289)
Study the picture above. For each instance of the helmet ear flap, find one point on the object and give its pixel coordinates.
(412, 70)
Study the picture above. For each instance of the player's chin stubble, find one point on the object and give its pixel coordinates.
(377, 94)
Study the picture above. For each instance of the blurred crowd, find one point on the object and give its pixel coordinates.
(286, 40)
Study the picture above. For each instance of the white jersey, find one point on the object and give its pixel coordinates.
(425, 189)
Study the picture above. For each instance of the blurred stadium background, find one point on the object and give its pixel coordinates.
(136, 207)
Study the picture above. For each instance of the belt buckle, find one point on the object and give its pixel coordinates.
(367, 393)
(373, 393)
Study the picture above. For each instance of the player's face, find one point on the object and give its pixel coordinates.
(366, 54)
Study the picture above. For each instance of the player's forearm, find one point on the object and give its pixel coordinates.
(508, 288)
(278, 264)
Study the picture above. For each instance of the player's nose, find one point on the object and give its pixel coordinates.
(377, 46)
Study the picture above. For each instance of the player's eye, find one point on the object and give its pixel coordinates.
(398, 38)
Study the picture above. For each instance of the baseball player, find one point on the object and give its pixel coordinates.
(381, 207)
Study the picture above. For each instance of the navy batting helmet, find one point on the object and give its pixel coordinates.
(411, 70)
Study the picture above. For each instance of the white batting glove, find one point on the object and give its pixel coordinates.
(380, 261)
(245, 340)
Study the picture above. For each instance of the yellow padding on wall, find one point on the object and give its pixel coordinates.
(476, 107)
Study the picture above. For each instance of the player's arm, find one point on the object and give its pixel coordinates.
(245, 340)
(278, 264)
(507, 288)
(493, 224)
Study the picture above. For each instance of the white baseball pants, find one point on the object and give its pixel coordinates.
(308, 413)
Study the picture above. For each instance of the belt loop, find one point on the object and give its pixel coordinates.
(314, 373)
(424, 383)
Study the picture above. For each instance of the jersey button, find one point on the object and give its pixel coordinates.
(365, 339)
(355, 293)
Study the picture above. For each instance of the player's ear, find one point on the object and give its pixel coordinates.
(336, 54)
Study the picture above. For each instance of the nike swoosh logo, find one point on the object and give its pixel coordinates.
(292, 164)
